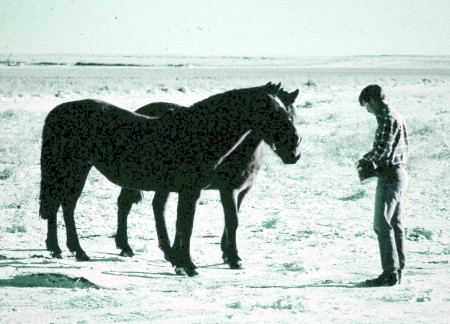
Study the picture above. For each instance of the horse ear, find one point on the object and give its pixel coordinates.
(272, 88)
(293, 95)
(278, 86)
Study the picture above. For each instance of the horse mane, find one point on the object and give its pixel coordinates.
(230, 95)
(247, 93)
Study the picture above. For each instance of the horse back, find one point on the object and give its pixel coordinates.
(91, 112)
(160, 109)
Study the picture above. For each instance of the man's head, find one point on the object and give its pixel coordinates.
(372, 98)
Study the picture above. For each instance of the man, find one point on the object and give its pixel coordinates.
(389, 154)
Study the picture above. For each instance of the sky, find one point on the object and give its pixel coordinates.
(226, 27)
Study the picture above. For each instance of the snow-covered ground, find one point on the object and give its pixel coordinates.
(305, 232)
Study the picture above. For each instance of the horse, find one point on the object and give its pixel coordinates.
(177, 154)
(233, 178)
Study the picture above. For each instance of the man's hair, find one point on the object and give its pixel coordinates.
(372, 91)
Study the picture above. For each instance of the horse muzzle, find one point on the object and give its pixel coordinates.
(291, 159)
(288, 156)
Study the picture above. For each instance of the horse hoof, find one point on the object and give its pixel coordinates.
(82, 256)
(127, 253)
(234, 262)
(236, 265)
(187, 272)
(56, 255)
(180, 271)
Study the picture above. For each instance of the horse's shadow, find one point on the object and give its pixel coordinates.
(140, 274)
(322, 284)
(41, 270)
(24, 250)
(18, 263)
(43, 259)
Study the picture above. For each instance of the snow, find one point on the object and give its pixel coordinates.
(305, 232)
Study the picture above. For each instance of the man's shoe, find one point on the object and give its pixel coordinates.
(385, 279)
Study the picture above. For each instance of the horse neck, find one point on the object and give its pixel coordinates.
(251, 143)
(225, 121)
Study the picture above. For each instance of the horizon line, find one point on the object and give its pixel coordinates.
(224, 55)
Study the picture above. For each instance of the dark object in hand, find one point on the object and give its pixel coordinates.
(366, 170)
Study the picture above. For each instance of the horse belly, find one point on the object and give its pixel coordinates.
(159, 176)
(129, 175)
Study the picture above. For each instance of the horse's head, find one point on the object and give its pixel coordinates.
(279, 130)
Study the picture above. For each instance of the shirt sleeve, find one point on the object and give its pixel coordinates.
(384, 141)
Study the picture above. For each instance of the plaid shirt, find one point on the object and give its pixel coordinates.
(391, 140)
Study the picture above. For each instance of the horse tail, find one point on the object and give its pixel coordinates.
(51, 162)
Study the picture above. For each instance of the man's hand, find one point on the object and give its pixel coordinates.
(366, 170)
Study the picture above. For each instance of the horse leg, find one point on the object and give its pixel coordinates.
(73, 187)
(241, 196)
(229, 245)
(159, 206)
(125, 201)
(52, 234)
(181, 258)
(50, 197)
(72, 237)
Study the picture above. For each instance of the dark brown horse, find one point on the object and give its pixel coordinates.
(176, 154)
(233, 178)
